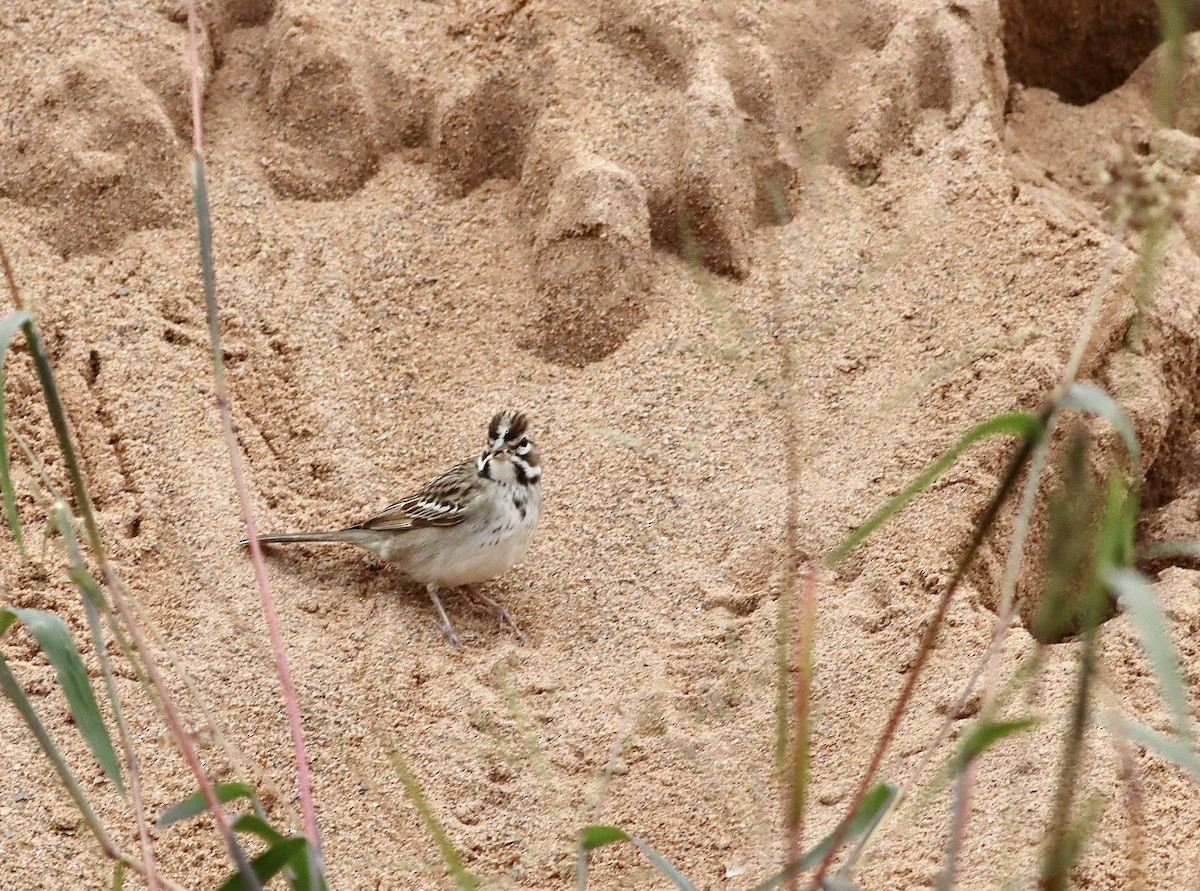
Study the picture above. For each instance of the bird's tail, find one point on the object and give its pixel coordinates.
(339, 536)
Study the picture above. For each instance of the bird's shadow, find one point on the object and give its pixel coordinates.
(326, 568)
(366, 577)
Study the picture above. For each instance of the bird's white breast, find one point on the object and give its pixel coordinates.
(486, 544)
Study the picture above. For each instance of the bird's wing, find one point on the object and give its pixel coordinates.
(444, 502)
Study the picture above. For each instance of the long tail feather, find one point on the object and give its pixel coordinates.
(340, 536)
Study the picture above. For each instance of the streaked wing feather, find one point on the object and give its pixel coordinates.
(443, 502)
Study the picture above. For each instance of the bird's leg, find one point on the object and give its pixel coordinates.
(503, 616)
(431, 590)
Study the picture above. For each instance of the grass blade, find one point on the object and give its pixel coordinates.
(305, 873)
(962, 765)
(983, 736)
(875, 806)
(1172, 548)
(870, 813)
(1172, 749)
(1091, 399)
(62, 434)
(1022, 424)
(55, 640)
(256, 825)
(12, 689)
(270, 613)
(1136, 596)
(664, 866)
(1176, 17)
(529, 734)
(8, 327)
(93, 603)
(1056, 875)
(1124, 498)
(1019, 459)
(592, 837)
(197, 804)
(434, 826)
(1063, 839)
(801, 662)
(268, 863)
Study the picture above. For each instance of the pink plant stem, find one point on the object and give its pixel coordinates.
(113, 584)
(296, 725)
(303, 780)
(139, 812)
(925, 649)
(178, 730)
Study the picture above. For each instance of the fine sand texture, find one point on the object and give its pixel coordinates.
(719, 252)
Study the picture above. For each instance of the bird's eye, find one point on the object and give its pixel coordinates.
(524, 443)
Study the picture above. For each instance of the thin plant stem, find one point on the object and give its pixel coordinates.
(1134, 800)
(237, 757)
(66, 444)
(802, 713)
(1091, 316)
(1007, 605)
(1056, 866)
(989, 664)
(925, 648)
(244, 764)
(958, 825)
(63, 521)
(274, 627)
(610, 766)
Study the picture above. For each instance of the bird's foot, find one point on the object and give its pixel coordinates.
(503, 616)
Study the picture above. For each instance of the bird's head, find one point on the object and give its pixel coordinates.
(510, 455)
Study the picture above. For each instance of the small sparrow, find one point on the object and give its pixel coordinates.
(471, 524)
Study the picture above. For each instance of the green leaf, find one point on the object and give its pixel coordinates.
(433, 825)
(12, 689)
(1124, 500)
(875, 806)
(1091, 399)
(1115, 542)
(983, 736)
(305, 874)
(197, 804)
(269, 862)
(1156, 550)
(54, 638)
(1172, 749)
(256, 825)
(1136, 596)
(592, 837)
(8, 327)
(1021, 424)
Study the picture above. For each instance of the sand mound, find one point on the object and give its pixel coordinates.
(616, 218)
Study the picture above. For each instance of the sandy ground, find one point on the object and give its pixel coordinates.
(425, 213)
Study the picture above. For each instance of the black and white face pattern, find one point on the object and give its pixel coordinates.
(510, 456)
